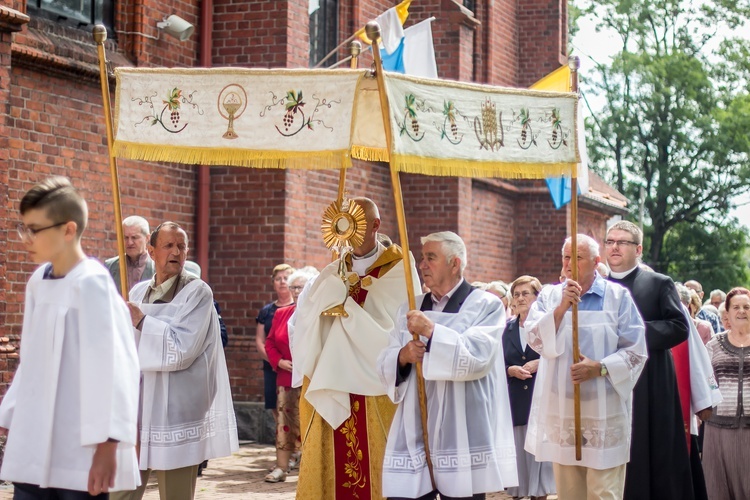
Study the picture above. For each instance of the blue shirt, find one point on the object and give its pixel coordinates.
(593, 299)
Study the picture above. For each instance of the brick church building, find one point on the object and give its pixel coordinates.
(241, 222)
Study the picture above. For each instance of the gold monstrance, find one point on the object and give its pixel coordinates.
(343, 227)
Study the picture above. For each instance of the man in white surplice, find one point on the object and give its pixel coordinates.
(469, 425)
(613, 352)
(186, 405)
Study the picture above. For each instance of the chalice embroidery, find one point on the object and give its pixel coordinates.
(232, 100)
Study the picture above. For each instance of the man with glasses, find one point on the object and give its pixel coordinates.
(659, 464)
(140, 267)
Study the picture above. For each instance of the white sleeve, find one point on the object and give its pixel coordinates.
(470, 354)
(174, 345)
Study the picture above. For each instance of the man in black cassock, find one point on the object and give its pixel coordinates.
(659, 467)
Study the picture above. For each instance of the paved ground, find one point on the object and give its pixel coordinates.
(238, 477)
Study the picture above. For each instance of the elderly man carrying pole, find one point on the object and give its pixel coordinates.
(460, 347)
(613, 352)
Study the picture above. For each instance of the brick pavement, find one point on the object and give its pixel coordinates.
(238, 477)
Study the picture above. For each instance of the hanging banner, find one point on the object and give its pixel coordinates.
(449, 128)
(318, 119)
(232, 116)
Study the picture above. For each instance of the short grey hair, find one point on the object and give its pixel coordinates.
(139, 222)
(684, 293)
(583, 240)
(452, 245)
(719, 293)
(307, 273)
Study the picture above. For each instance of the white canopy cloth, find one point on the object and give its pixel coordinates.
(323, 118)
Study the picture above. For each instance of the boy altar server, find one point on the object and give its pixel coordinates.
(71, 410)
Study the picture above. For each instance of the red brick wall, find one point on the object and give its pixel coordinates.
(542, 38)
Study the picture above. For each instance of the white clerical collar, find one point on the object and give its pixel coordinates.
(439, 305)
(619, 276)
(159, 291)
(360, 265)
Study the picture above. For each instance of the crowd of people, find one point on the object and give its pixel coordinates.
(470, 389)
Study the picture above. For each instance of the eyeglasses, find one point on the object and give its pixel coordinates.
(619, 243)
(29, 233)
(296, 288)
(523, 294)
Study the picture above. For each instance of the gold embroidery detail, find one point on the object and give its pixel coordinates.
(353, 465)
(367, 281)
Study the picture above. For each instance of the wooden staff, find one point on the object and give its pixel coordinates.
(354, 48)
(100, 36)
(373, 33)
(574, 63)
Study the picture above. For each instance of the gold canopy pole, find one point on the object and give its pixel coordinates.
(372, 29)
(574, 63)
(355, 48)
(100, 36)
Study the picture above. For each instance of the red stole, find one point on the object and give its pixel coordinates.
(350, 442)
(681, 356)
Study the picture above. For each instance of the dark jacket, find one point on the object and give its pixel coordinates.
(519, 391)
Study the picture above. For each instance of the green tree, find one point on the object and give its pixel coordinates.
(716, 258)
(676, 112)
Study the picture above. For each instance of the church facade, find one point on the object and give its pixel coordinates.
(241, 222)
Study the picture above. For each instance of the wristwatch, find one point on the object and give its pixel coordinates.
(603, 372)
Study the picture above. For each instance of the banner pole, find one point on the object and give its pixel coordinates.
(373, 33)
(574, 64)
(100, 36)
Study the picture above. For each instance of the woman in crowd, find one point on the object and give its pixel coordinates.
(279, 354)
(705, 330)
(535, 479)
(279, 276)
(727, 438)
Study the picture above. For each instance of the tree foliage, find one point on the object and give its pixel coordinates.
(716, 258)
(677, 113)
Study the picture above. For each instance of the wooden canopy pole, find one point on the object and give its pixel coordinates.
(100, 36)
(574, 63)
(354, 49)
(372, 29)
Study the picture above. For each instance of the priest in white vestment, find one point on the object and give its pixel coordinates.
(613, 352)
(186, 404)
(71, 411)
(344, 412)
(470, 431)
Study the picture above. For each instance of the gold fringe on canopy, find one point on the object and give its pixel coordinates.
(469, 168)
(316, 160)
(369, 153)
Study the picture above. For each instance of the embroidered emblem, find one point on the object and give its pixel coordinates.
(366, 281)
(487, 129)
(528, 137)
(412, 105)
(559, 135)
(233, 100)
(173, 103)
(354, 456)
(293, 107)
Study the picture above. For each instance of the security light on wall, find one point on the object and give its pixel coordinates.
(176, 27)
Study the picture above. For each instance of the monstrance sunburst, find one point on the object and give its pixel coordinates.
(343, 225)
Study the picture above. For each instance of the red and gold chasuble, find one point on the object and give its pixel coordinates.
(349, 458)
